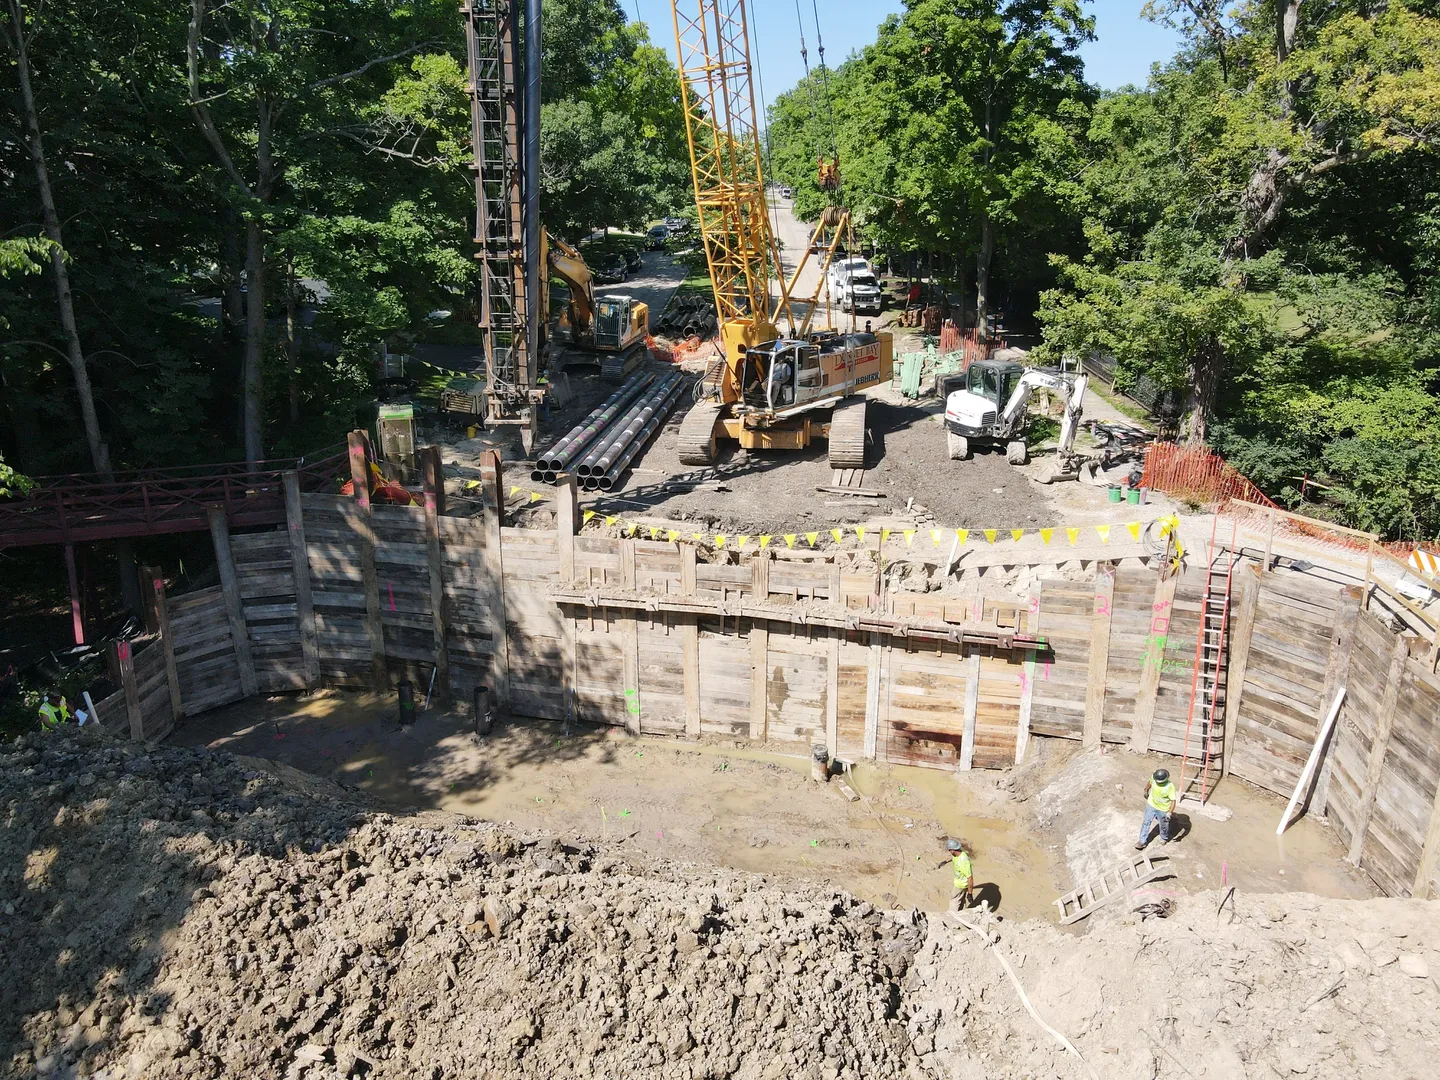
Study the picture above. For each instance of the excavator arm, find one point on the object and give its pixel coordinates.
(1070, 387)
(568, 265)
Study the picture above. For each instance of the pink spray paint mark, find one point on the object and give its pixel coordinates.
(391, 586)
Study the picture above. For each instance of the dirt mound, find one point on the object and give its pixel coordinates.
(1281, 985)
(180, 913)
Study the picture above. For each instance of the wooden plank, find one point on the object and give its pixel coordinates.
(1430, 851)
(239, 636)
(1027, 687)
(123, 662)
(157, 611)
(1379, 747)
(434, 483)
(1247, 582)
(759, 679)
(1337, 674)
(832, 691)
(1153, 662)
(872, 696)
(760, 575)
(300, 573)
(1099, 653)
(493, 509)
(690, 661)
(630, 643)
(687, 569)
(567, 514)
(972, 704)
(369, 576)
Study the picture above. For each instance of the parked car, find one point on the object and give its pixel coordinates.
(633, 259)
(677, 225)
(611, 272)
(786, 193)
(656, 237)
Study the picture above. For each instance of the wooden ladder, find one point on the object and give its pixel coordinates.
(1117, 881)
(1204, 741)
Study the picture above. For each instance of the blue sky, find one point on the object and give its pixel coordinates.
(1126, 45)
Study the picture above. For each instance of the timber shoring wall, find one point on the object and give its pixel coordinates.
(794, 646)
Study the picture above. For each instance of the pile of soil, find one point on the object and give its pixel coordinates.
(175, 912)
(183, 913)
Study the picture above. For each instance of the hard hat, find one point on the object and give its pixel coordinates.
(952, 845)
(1162, 776)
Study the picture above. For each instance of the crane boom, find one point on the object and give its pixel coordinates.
(712, 43)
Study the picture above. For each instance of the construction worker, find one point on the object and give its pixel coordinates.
(963, 874)
(1159, 802)
(54, 711)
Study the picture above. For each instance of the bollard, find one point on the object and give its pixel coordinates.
(406, 689)
(484, 721)
(820, 763)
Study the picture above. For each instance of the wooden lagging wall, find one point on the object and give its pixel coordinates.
(696, 645)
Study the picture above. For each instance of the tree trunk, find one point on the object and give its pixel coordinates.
(292, 342)
(1205, 369)
(982, 275)
(232, 318)
(99, 453)
(252, 375)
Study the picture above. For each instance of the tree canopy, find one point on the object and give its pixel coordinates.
(185, 184)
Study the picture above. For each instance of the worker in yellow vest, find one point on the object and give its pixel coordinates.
(1159, 802)
(962, 874)
(54, 711)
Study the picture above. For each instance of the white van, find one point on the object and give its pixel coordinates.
(853, 284)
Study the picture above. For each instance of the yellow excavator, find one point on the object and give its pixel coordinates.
(615, 327)
(772, 391)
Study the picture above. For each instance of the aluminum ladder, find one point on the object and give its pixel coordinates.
(1117, 881)
(1205, 724)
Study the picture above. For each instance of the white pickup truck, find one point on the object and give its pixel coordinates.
(853, 284)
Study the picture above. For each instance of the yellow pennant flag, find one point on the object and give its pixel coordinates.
(609, 519)
(812, 537)
(1104, 531)
(654, 532)
(884, 536)
(695, 537)
(588, 515)
(720, 541)
(471, 485)
(962, 535)
(1073, 534)
(836, 533)
(514, 488)
(633, 527)
(1134, 528)
(860, 531)
(935, 537)
(671, 535)
(990, 535)
(742, 539)
(789, 540)
(1015, 534)
(764, 542)
(534, 496)
(1045, 535)
(909, 535)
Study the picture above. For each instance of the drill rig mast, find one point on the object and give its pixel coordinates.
(505, 136)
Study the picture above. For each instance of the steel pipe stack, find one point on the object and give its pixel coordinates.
(562, 454)
(610, 478)
(586, 465)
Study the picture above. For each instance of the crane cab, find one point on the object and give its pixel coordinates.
(791, 373)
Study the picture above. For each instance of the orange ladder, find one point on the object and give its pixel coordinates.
(1207, 683)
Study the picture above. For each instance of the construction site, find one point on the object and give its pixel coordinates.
(627, 716)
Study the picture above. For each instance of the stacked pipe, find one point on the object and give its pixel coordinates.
(611, 477)
(599, 463)
(560, 457)
(686, 316)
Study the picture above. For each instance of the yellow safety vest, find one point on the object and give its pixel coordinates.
(52, 716)
(961, 864)
(1162, 796)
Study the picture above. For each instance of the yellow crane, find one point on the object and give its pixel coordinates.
(774, 391)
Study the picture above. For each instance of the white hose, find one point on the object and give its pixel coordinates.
(1024, 998)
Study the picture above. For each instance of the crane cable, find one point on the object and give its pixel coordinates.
(824, 80)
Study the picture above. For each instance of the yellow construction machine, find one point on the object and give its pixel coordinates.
(615, 327)
(770, 391)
